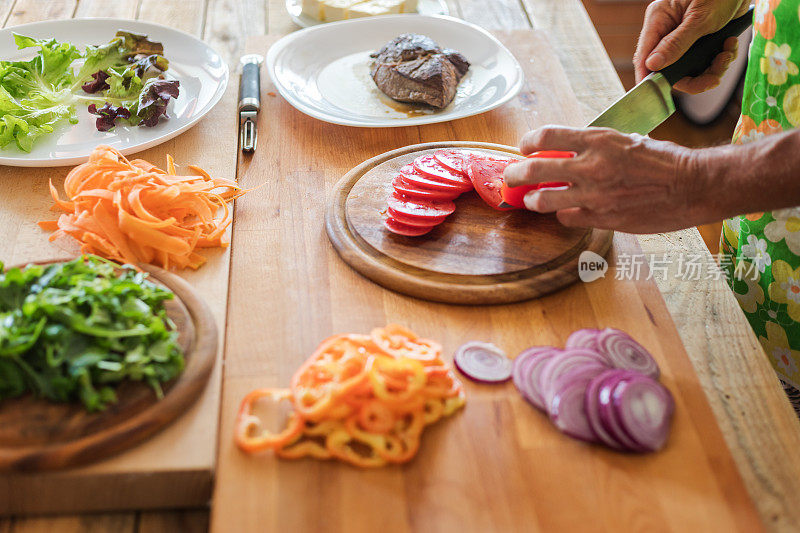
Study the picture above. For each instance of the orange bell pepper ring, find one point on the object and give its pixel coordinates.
(398, 341)
(340, 444)
(396, 380)
(251, 437)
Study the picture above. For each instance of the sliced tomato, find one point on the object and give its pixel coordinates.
(414, 177)
(515, 196)
(415, 221)
(404, 229)
(486, 175)
(455, 160)
(433, 169)
(425, 209)
(407, 189)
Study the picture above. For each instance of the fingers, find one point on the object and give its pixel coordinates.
(554, 138)
(658, 22)
(576, 217)
(550, 200)
(676, 43)
(533, 171)
(711, 77)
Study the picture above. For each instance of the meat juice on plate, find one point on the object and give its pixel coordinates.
(347, 84)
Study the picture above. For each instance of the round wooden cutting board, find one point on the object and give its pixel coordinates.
(36, 434)
(479, 255)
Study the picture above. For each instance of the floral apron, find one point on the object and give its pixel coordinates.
(761, 251)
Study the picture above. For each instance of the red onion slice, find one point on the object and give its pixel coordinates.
(644, 408)
(567, 408)
(592, 409)
(608, 414)
(584, 338)
(563, 363)
(483, 362)
(624, 352)
(523, 364)
(531, 381)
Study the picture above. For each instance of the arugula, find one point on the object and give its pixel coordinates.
(38, 95)
(71, 331)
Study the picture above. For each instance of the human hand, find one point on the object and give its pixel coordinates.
(671, 26)
(629, 183)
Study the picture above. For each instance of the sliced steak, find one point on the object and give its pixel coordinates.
(413, 68)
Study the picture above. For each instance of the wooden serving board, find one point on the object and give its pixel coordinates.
(478, 255)
(36, 434)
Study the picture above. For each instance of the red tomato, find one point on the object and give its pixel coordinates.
(425, 209)
(486, 175)
(414, 177)
(415, 221)
(404, 229)
(515, 196)
(412, 191)
(455, 160)
(431, 168)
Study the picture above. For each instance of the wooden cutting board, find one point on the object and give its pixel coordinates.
(39, 435)
(498, 465)
(478, 255)
(175, 467)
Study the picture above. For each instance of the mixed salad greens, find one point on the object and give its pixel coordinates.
(73, 330)
(120, 80)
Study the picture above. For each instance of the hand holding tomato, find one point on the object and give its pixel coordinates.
(625, 182)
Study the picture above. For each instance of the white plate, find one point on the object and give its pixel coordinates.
(201, 71)
(424, 7)
(324, 71)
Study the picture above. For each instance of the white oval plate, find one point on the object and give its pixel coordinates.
(424, 7)
(323, 71)
(201, 71)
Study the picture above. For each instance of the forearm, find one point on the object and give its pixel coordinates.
(759, 176)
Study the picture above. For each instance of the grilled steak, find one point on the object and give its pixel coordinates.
(412, 68)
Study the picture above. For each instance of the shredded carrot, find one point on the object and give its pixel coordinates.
(134, 212)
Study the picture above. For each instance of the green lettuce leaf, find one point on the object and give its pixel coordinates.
(41, 94)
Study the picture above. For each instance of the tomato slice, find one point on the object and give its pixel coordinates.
(404, 229)
(412, 191)
(425, 209)
(455, 160)
(414, 177)
(415, 221)
(515, 196)
(433, 169)
(486, 175)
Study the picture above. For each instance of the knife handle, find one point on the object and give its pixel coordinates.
(699, 57)
(250, 84)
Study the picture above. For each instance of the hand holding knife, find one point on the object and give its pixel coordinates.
(650, 103)
(249, 101)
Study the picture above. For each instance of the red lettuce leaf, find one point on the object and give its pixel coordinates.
(154, 99)
(98, 83)
(108, 115)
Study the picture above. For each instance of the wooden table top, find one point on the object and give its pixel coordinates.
(756, 420)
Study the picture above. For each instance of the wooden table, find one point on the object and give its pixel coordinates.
(756, 421)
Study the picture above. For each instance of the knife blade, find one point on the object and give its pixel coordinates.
(249, 101)
(650, 103)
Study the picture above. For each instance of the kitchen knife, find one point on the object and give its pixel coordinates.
(249, 101)
(650, 103)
